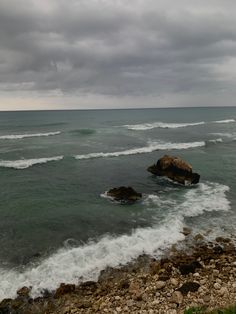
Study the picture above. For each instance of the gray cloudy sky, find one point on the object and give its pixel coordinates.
(117, 53)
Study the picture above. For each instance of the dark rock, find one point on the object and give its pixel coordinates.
(175, 169)
(186, 269)
(123, 284)
(189, 287)
(124, 194)
(88, 287)
(64, 289)
(24, 292)
(186, 231)
(5, 306)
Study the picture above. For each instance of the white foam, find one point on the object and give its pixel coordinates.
(224, 121)
(153, 146)
(217, 140)
(228, 135)
(88, 260)
(73, 265)
(26, 163)
(21, 136)
(207, 197)
(162, 125)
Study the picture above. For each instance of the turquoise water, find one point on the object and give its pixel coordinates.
(55, 165)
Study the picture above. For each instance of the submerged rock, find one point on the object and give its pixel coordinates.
(175, 169)
(124, 194)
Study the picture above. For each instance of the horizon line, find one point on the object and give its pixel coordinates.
(130, 108)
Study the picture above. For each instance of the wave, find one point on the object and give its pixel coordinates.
(26, 163)
(217, 140)
(228, 135)
(162, 125)
(83, 131)
(153, 146)
(20, 136)
(224, 121)
(73, 265)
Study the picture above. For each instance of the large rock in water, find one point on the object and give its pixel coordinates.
(175, 169)
(124, 194)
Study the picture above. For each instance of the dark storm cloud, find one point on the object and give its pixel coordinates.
(117, 47)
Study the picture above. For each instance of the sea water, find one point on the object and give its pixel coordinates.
(55, 223)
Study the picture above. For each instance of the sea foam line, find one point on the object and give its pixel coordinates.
(20, 136)
(26, 163)
(73, 265)
(153, 146)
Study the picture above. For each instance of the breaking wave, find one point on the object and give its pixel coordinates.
(73, 265)
(20, 136)
(162, 125)
(225, 121)
(26, 163)
(153, 146)
(217, 140)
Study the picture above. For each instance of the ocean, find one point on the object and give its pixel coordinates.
(55, 166)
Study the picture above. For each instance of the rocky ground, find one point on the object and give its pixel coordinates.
(200, 274)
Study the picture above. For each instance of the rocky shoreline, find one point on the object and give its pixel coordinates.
(195, 273)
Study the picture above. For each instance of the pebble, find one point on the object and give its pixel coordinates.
(217, 286)
(177, 297)
(223, 291)
(196, 275)
(160, 285)
(174, 282)
(207, 298)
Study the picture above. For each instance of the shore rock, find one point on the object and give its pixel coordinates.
(175, 169)
(124, 194)
(189, 287)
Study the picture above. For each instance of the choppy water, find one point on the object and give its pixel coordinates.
(55, 165)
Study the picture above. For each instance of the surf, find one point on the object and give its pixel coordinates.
(27, 135)
(153, 146)
(82, 263)
(26, 163)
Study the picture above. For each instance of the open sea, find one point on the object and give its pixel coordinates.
(55, 166)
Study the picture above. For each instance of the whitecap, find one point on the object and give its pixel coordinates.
(163, 125)
(153, 146)
(217, 140)
(26, 163)
(27, 135)
(225, 121)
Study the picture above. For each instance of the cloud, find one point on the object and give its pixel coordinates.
(118, 50)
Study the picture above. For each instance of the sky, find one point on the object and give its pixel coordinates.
(84, 54)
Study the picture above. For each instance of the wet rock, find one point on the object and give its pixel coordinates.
(64, 289)
(175, 169)
(124, 194)
(189, 287)
(5, 306)
(24, 292)
(186, 231)
(186, 269)
(198, 237)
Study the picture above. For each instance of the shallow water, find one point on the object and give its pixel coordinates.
(54, 224)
